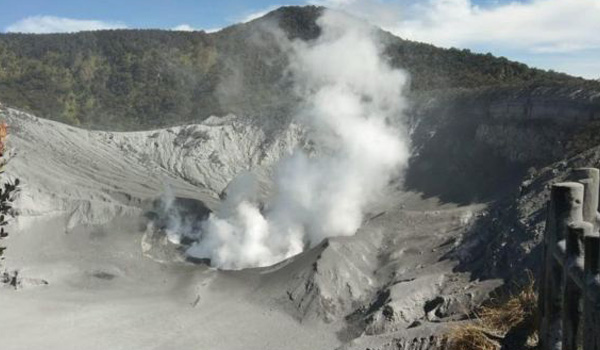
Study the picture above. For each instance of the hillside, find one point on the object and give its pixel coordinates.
(137, 79)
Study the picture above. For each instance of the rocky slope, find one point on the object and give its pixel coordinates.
(476, 145)
(507, 240)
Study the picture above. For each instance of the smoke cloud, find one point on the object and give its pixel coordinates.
(352, 112)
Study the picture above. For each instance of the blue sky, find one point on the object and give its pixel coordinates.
(550, 34)
(201, 14)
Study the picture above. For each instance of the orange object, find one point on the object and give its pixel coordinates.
(3, 134)
(3, 131)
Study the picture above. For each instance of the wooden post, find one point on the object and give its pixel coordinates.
(565, 208)
(573, 282)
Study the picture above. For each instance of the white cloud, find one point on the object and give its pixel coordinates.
(536, 27)
(188, 28)
(184, 28)
(51, 24)
(539, 25)
(333, 3)
(212, 30)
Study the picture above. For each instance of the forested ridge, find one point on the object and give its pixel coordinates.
(136, 79)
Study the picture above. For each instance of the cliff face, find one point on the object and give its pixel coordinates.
(473, 145)
(545, 123)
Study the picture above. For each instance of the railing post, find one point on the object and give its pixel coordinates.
(565, 208)
(572, 276)
(591, 301)
(590, 178)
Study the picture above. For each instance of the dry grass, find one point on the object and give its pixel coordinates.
(494, 320)
(513, 311)
(470, 336)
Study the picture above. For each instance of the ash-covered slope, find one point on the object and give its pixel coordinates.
(82, 229)
(97, 175)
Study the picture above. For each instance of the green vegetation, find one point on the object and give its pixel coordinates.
(137, 79)
(433, 68)
(125, 78)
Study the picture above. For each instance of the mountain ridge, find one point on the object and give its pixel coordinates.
(139, 79)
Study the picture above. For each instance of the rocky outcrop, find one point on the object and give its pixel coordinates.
(409, 339)
(506, 241)
(483, 141)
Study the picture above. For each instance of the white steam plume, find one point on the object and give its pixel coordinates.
(352, 109)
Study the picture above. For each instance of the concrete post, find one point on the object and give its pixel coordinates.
(565, 208)
(590, 178)
(573, 282)
(543, 284)
(591, 307)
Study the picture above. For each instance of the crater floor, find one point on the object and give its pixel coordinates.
(82, 226)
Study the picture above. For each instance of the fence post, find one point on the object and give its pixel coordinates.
(591, 307)
(590, 178)
(573, 281)
(565, 207)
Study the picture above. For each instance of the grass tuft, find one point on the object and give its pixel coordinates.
(492, 322)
